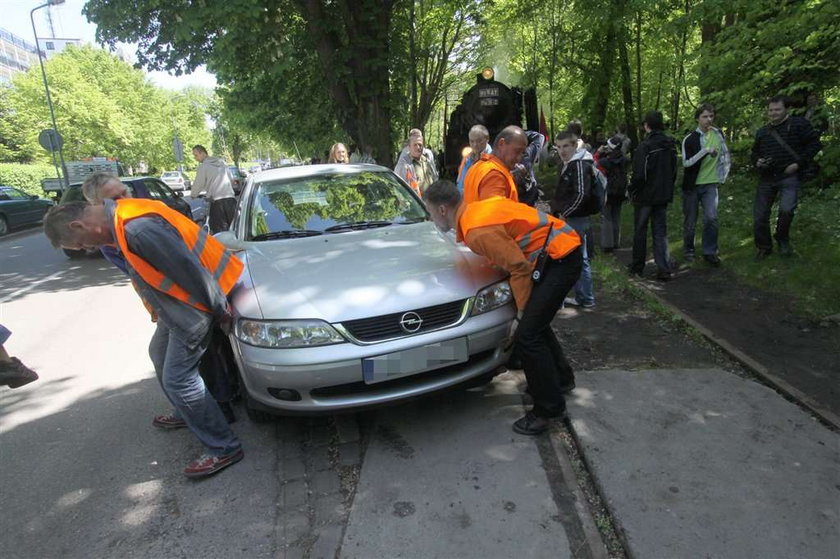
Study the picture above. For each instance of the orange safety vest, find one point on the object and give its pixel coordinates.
(526, 225)
(216, 259)
(485, 164)
(411, 179)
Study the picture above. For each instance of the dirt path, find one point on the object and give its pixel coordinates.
(619, 332)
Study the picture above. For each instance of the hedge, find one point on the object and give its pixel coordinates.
(26, 177)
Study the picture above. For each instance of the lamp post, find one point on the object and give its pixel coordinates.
(46, 87)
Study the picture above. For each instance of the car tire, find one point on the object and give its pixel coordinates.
(4, 226)
(74, 254)
(255, 415)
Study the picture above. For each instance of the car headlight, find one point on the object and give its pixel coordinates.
(287, 333)
(492, 297)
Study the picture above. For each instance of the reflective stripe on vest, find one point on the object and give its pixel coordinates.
(478, 170)
(526, 225)
(218, 261)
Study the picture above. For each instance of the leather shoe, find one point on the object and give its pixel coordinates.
(530, 424)
(208, 465)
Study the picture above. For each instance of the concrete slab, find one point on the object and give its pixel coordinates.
(446, 477)
(703, 463)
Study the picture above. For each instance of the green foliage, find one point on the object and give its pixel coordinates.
(103, 107)
(26, 177)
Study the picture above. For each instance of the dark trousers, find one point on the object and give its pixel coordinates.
(221, 214)
(611, 224)
(214, 370)
(657, 216)
(546, 368)
(786, 189)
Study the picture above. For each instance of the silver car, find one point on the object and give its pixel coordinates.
(351, 297)
(176, 180)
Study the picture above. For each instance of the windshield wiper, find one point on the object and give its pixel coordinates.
(356, 225)
(412, 220)
(287, 234)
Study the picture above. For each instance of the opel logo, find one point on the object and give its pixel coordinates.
(411, 322)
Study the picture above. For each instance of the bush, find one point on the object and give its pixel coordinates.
(26, 177)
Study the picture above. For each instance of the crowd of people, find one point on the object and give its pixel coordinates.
(183, 275)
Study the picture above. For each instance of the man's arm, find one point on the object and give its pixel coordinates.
(691, 159)
(494, 243)
(200, 182)
(581, 182)
(637, 181)
(158, 243)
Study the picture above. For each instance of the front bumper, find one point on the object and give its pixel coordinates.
(330, 378)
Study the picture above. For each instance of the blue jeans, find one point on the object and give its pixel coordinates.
(176, 366)
(583, 287)
(657, 216)
(786, 189)
(707, 195)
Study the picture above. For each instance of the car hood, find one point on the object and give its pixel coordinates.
(357, 274)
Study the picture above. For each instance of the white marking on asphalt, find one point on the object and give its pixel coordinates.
(32, 285)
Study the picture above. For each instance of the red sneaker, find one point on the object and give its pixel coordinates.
(168, 422)
(208, 465)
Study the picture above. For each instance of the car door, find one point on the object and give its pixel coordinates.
(19, 208)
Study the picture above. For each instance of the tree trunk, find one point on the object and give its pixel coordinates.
(626, 82)
(639, 107)
(362, 90)
(412, 60)
(599, 86)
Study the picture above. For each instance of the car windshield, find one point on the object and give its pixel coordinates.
(168, 174)
(330, 203)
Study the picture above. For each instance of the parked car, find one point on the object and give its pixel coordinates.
(144, 187)
(237, 179)
(176, 180)
(254, 169)
(17, 208)
(351, 296)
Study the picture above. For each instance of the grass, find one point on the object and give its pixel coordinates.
(811, 278)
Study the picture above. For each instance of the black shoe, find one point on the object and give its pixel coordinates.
(763, 253)
(567, 388)
(634, 271)
(15, 374)
(663, 276)
(530, 424)
(713, 260)
(785, 249)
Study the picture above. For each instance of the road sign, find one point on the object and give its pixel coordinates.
(178, 149)
(50, 140)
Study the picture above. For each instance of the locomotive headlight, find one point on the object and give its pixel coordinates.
(487, 73)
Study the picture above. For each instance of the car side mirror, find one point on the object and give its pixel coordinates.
(228, 238)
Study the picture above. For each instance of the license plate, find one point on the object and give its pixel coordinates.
(414, 360)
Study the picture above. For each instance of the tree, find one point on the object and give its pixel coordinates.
(351, 42)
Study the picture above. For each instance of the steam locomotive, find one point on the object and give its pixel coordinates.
(492, 104)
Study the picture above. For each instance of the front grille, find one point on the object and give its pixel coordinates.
(387, 326)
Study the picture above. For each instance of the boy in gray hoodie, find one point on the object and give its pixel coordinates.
(213, 180)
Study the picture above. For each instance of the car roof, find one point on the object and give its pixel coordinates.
(301, 171)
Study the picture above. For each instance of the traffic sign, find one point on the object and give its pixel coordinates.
(50, 140)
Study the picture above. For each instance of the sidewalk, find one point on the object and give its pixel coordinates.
(703, 463)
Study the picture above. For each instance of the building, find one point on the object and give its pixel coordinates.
(16, 55)
(52, 45)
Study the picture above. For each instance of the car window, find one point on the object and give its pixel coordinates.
(171, 174)
(158, 190)
(15, 194)
(320, 202)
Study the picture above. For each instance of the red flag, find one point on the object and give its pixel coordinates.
(543, 127)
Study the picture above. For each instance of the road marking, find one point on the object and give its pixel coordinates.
(32, 285)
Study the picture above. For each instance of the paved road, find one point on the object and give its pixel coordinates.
(83, 473)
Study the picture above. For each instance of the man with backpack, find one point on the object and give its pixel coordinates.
(614, 163)
(651, 190)
(578, 195)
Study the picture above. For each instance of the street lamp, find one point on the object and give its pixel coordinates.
(46, 87)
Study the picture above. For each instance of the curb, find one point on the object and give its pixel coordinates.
(762, 372)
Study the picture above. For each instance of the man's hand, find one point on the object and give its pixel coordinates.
(792, 168)
(711, 151)
(514, 325)
(226, 321)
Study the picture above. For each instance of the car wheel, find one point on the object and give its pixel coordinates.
(4, 226)
(255, 415)
(74, 253)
